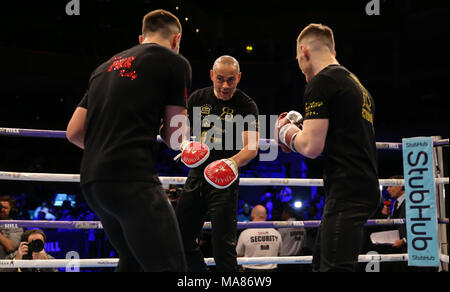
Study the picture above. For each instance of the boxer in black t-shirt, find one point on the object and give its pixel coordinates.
(117, 124)
(225, 119)
(338, 123)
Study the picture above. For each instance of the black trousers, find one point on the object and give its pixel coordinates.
(340, 236)
(198, 200)
(140, 224)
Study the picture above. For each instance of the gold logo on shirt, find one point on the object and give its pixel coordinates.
(227, 114)
(367, 101)
(206, 109)
(310, 109)
(312, 105)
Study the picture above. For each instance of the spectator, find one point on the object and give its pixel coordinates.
(20, 205)
(31, 247)
(293, 240)
(173, 194)
(259, 243)
(9, 237)
(66, 212)
(398, 211)
(43, 212)
(245, 215)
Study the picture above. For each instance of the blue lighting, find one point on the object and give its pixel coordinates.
(60, 198)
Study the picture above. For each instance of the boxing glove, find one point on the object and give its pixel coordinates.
(286, 129)
(221, 173)
(296, 118)
(193, 154)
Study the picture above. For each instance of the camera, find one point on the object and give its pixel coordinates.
(174, 193)
(35, 245)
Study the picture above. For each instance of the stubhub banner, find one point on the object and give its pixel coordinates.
(421, 216)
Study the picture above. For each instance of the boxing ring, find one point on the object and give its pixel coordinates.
(73, 263)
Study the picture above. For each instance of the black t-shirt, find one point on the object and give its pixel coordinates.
(220, 124)
(350, 154)
(126, 99)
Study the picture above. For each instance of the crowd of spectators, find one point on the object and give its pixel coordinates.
(276, 200)
(47, 210)
(27, 207)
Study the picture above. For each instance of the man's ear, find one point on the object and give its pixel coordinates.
(305, 52)
(239, 77)
(176, 39)
(211, 74)
(141, 39)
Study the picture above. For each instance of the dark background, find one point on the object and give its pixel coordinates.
(47, 57)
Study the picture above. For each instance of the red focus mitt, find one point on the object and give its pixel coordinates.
(221, 173)
(193, 154)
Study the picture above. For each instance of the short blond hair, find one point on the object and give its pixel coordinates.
(162, 22)
(227, 60)
(318, 32)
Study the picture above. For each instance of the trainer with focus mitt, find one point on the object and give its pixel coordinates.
(211, 189)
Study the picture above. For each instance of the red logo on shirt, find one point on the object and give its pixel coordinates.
(123, 65)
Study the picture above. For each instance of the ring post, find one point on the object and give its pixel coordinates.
(439, 167)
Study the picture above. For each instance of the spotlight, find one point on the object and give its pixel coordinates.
(297, 204)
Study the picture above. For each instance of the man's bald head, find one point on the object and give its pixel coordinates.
(259, 213)
(225, 75)
(227, 60)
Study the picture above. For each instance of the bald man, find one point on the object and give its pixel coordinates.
(259, 213)
(339, 126)
(224, 118)
(264, 242)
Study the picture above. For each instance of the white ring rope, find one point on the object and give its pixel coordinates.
(263, 143)
(53, 177)
(87, 225)
(112, 262)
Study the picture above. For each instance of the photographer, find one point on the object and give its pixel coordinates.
(9, 237)
(32, 248)
(173, 193)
